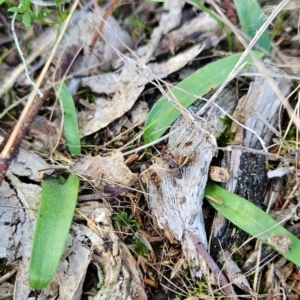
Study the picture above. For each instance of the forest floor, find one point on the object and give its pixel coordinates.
(165, 104)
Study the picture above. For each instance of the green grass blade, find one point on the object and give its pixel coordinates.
(71, 129)
(251, 19)
(51, 230)
(251, 219)
(164, 113)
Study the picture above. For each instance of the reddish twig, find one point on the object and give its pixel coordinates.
(230, 12)
(224, 284)
(107, 13)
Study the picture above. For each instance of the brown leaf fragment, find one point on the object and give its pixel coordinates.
(280, 242)
(287, 270)
(115, 190)
(230, 12)
(218, 174)
(110, 169)
(150, 282)
(295, 276)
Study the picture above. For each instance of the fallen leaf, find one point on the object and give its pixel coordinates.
(110, 169)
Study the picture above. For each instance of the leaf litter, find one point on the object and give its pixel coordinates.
(93, 242)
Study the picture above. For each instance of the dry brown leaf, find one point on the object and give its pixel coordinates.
(110, 169)
(126, 86)
(218, 174)
(114, 40)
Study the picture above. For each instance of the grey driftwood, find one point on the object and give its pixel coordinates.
(176, 192)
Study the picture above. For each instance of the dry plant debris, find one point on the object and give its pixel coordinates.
(141, 229)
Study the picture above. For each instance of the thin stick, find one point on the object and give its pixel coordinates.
(226, 287)
(107, 13)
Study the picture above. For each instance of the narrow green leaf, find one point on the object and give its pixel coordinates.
(252, 220)
(27, 20)
(164, 113)
(252, 18)
(51, 230)
(71, 129)
(26, 3)
(17, 10)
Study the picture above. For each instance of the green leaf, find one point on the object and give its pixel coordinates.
(51, 230)
(252, 18)
(251, 219)
(70, 118)
(42, 13)
(2, 1)
(26, 3)
(19, 17)
(18, 10)
(27, 20)
(164, 113)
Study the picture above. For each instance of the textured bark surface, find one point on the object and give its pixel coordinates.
(176, 191)
(259, 111)
(111, 255)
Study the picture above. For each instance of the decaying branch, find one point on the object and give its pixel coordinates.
(258, 110)
(122, 279)
(176, 189)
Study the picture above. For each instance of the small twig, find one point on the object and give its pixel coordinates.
(256, 273)
(224, 284)
(8, 275)
(271, 156)
(22, 55)
(89, 197)
(107, 13)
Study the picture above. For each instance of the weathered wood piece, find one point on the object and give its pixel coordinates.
(176, 191)
(259, 111)
(121, 277)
